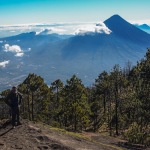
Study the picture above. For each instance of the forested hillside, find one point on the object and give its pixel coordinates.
(118, 102)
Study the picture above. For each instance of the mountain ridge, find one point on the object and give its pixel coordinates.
(53, 57)
(117, 25)
(144, 27)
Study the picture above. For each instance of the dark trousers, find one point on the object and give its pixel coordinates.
(15, 115)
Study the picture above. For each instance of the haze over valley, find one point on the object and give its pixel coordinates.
(58, 51)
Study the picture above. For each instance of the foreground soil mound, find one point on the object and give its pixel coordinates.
(31, 136)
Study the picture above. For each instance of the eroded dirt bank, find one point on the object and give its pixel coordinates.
(32, 136)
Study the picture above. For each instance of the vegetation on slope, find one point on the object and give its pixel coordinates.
(118, 102)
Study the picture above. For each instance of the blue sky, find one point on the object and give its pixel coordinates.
(50, 11)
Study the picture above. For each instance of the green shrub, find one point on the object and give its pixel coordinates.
(137, 136)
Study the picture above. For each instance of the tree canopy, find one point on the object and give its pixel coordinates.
(118, 102)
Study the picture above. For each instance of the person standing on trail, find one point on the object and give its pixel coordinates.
(13, 100)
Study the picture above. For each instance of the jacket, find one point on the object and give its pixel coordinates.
(14, 99)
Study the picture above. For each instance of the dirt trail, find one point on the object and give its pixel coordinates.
(30, 136)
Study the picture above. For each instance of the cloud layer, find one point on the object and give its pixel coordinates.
(100, 28)
(14, 49)
(4, 63)
(50, 31)
(60, 28)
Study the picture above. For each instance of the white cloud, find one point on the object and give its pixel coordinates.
(53, 67)
(50, 31)
(93, 28)
(29, 49)
(44, 32)
(59, 28)
(1, 41)
(4, 63)
(19, 54)
(15, 49)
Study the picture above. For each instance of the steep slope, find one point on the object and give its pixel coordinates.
(124, 36)
(30, 136)
(127, 31)
(103, 51)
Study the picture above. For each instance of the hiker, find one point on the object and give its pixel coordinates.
(13, 100)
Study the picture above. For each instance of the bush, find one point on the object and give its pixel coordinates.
(137, 136)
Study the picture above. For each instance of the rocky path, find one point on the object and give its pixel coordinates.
(27, 137)
(30, 136)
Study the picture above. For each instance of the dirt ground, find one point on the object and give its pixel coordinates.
(33, 136)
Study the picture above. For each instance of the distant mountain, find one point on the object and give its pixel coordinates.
(56, 56)
(125, 43)
(125, 30)
(143, 27)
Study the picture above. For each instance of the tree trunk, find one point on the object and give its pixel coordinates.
(104, 102)
(29, 108)
(110, 117)
(116, 109)
(32, 108)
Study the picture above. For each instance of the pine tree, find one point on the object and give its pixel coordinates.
(77, 105)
